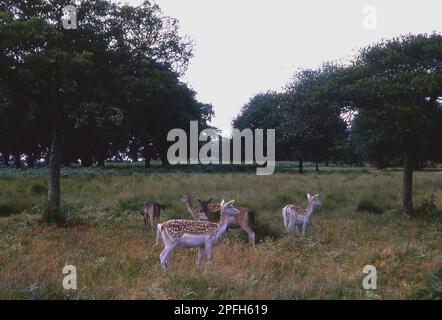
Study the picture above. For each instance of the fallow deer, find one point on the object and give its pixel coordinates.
(296, 216)
(151, 212)
(196, 211)
(192, 233)
(243, 220)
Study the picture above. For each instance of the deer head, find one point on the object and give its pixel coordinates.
(185, 198)
(314, 200)
(204, 204)
(228, 208)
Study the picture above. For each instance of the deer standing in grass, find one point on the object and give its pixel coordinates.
(243, 220)
(151, 212)
(192, 233)
(295, 216)
(196, 211)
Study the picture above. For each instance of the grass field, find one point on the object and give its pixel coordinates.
(359, 223)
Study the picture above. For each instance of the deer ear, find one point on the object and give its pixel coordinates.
(308, 196)
(198, 200)
(316, 195)
(222, 202)
(230, 202)
(209, 200)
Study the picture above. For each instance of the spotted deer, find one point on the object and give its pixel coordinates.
(296, 216)
(196, 211)
(243, 220)
(193, 233)
(151, 212)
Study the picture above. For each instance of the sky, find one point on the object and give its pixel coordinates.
(243, 47)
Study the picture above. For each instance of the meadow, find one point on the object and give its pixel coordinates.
(359, 223)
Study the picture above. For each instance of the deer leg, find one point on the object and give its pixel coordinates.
(286, 219)
(200, 254)
(151, 222)
(250, 233)
(303, 227)
(164, 256)
(227, 233)
(290, 224)
(208, 248)
(145, 222)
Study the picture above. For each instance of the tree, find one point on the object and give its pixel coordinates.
(68, 75)
(265, 111)
(396, 86)
(313, 122)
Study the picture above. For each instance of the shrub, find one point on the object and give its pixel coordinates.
(369, 205)
(428, 206)
(52, 215)
(131, 204)
(13, 205)
(38, 188)
(264, 230)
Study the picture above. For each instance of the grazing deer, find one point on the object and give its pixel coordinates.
(192, 233)
(243, 220)
(151, 212)
(196, 211)
(296, 216)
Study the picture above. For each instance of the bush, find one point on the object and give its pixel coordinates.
(369, 205)
(428, 206)
(264, 230)
(38, 189)
(131, 204)
(12, 205)
(52, 215)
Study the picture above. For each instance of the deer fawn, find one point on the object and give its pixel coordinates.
(192, 233)
(296, 216)
(151, 212)
(243, 220)
(196, 211)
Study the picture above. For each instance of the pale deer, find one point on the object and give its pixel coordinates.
(196, 211)
(243, 220)
(296, 216)
(151, 212)
(192, 233)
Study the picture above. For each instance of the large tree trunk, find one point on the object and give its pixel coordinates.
(147, 155)
(17, 160)
(407, 186)
(164, 161)
(5, 159)
(31, 159)
(147, 162)
(54, 172)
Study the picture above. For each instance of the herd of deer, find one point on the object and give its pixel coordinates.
(211, 221)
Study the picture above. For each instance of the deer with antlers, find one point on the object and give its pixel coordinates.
(193, 233)
(243, 220)
(295, 216)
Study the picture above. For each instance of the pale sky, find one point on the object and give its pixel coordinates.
(243, 47)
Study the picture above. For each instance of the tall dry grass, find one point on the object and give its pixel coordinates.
(115, 258)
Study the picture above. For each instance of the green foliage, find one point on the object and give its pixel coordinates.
(134, 203)
(428, 206)
(38, 188)
(369, 205)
